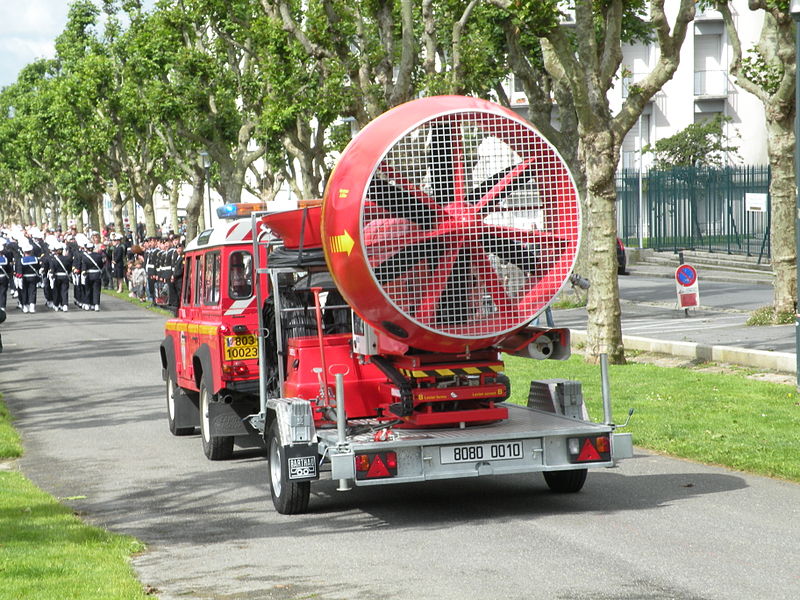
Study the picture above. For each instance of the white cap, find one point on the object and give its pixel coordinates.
(35, 232)
(26, 246)
(88, 245)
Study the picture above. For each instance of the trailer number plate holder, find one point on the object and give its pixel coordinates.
(469, 453)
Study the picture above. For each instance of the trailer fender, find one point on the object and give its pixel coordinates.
(295, 420)
(297, 436)
(560, 396)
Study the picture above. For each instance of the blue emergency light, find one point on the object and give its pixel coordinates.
(240, 210)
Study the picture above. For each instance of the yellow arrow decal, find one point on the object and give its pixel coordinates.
(342, 243)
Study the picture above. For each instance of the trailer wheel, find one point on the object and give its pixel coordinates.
(289, 498)
(214, 447)
(566, 482)
(173, 389)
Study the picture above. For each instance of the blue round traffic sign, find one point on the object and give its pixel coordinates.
(686, 275)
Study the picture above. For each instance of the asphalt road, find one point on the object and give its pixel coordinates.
(86, 391)
(649, 310)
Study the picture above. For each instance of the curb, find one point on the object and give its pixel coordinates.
(785, 362)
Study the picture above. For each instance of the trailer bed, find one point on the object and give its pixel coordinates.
(530, 440)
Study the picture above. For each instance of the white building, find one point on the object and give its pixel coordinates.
(700, 89)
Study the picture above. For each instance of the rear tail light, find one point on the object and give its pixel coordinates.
(237, 368)
(376, 465)
(589, 449)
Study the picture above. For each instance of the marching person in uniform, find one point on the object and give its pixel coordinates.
(92, 262)
(78, 289)
(26, 272)
(6, 274)
(61, 270)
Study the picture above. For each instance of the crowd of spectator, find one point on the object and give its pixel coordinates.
(52, 260)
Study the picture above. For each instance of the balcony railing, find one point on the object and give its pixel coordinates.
(711, 83)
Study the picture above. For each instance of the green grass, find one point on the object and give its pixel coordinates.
(766, 315)
(137, 302)
(10, 446)
(723, 419)
(47, 553)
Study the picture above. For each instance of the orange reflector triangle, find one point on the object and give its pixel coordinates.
(588, 452)
(378, 468)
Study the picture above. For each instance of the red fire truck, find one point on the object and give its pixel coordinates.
(448, 225)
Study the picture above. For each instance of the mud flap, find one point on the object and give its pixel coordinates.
(300, 462)
(225, 421)
(187, 413)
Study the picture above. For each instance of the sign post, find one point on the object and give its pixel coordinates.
(687, 287)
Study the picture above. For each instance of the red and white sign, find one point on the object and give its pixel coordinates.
(687, 287)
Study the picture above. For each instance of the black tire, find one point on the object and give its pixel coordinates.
(214, 447)
(289, 498)
(171, 391)
(566, 482)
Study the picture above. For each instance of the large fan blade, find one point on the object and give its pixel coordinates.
(402, 202)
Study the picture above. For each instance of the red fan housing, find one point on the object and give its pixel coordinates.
(449, 223)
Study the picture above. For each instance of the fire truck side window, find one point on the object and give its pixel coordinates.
(198, 280)
(187, 283)
(211, 279)
(240, 284)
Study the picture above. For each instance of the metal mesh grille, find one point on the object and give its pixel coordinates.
(470, 224)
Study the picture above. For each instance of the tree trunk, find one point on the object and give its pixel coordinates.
(149, 216)
(194, 210)
(133, 219)
(117, 204)
(783, 220)
(101, 213)
(174, 194)
(604, 330)
(94, 218)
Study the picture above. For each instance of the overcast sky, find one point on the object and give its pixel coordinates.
(28, 29)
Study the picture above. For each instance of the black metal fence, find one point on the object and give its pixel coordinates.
(715, 210)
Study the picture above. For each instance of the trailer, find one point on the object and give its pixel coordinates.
(447, 227)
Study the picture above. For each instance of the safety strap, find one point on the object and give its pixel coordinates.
(93, 262)
(62, 265)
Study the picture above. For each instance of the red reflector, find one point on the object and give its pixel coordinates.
(240, 368)
(362, 462)
(602, 444)
(391, 460)
(378, 468)
(588, 452)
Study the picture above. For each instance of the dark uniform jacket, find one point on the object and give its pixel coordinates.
(60, 266)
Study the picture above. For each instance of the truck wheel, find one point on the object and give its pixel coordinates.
(566, 482)
(214, 447)
(173, 389)
(289, 498)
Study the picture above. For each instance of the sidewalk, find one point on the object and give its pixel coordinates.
(715, 332)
